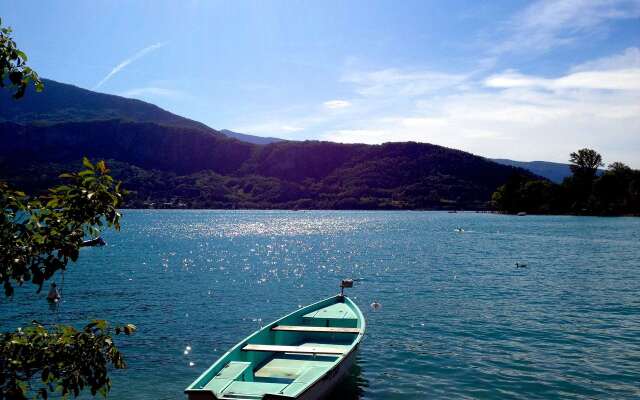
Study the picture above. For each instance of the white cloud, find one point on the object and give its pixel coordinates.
(507, 115)
(623, 79)
(128, 61)
(525, 117)
(271, 128)
(628, 59)
(369, 136)
(524, 124)
(289, 128)
(547, 24)
(152, 91)
(336, 104)
(396, 82)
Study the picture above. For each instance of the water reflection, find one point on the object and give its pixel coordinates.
(352, 386)
(458, 320)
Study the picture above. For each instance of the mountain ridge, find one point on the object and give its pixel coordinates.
(166, 159)
(73, 103)
(250, 138)
(553, 171)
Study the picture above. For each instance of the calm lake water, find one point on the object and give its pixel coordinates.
(458, 320)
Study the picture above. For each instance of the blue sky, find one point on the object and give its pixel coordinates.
(514, 79)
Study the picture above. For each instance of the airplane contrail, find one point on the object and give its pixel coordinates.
(128, 61)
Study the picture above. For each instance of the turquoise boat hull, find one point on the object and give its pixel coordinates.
(300, 356)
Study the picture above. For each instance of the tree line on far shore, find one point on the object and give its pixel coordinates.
(588, 191)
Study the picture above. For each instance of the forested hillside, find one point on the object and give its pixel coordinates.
(169, 161)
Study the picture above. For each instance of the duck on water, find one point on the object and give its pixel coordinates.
(303, 355)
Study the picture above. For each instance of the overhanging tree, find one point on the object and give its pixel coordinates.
(39, 236)
(13, 66)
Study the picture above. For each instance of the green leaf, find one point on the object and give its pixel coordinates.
(22, 55)
(87, 163)
(100, 166)
(37, 245)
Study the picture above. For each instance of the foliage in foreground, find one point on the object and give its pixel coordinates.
(38, 237)
(64, 360)
(13, 66)
(615, 192)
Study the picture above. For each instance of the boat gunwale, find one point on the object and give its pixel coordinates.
(353, 349)
(243, 342)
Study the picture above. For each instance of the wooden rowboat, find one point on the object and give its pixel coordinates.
(300, 356)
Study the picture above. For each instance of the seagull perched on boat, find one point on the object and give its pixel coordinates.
(518, 265)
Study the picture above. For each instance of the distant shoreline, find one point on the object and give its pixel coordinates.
(375, 209)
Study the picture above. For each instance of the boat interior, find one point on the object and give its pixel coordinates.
(286, 357)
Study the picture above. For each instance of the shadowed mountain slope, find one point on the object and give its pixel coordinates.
(170, 161)
(61, 102)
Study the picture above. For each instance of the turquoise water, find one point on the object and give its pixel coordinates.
(458, 320)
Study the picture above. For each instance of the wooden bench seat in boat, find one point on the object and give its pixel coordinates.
(232, 371)
(327, 329)
(294, 349)
(335, 311)
(291, 366)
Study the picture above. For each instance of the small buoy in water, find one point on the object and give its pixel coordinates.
(188, 348)
(375, 306)
(191, 363)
